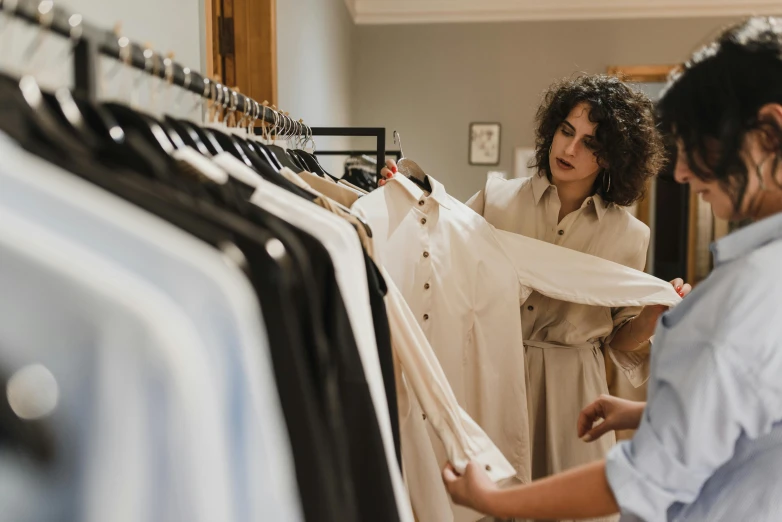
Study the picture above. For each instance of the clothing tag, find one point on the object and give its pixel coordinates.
(201, 164)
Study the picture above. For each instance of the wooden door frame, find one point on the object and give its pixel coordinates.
(652, 74)
(242, 40)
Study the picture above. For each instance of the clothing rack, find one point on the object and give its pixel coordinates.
(89, 41)
(379, 133)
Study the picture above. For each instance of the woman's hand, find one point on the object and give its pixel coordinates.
(650, 314)
(388, 172)
(472, 489)
(616, 413)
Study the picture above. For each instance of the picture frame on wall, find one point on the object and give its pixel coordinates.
(485, 143)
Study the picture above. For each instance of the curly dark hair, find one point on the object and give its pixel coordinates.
(628, 142)
(714, 102)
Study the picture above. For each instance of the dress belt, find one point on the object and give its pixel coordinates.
(545, 346)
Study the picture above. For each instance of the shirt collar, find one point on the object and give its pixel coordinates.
(541, 184)
(438, 190)
(600, 206)
(747, 239)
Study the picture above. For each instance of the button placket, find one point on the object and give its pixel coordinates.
(427, 262)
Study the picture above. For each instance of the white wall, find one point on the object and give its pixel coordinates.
(430, 81)
(314, 67)
(167, 25)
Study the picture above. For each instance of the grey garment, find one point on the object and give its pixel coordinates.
(130, 419)
(709, 448)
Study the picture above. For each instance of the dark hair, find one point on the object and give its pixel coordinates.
(713, 102)
(627, 140)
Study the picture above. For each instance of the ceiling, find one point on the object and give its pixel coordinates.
(443, 11)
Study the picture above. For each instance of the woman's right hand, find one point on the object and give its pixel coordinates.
(616, 413)
(388, 172)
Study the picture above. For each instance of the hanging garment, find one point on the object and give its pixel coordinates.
(464, 281)
(193, 209)
(562, 338)
(335, 191)
(192, 274)
(103, 335)
(388, 499)
(431, 419)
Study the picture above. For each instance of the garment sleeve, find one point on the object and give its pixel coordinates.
(699, 407)
(634, 364)
(477, 202)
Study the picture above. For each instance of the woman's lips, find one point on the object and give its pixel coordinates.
(564, 164)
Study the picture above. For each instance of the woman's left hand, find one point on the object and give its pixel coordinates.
(472, 489)
(652, 313)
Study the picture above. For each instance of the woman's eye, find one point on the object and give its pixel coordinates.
(566, 132)
(590, 145)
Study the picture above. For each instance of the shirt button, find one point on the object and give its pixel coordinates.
(426, 254)
(423, 221)
(426, 286)
(561, 232)
(589, 202)
(488, 468)
(423, 415)
(421, 203)
(530, 308)
(426, 317)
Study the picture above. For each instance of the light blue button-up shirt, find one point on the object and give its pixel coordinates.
(709, 447)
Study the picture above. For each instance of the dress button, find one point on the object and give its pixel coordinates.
(530, 308)
(488, 468)
(561, 232)
(421, 203)
(426, 286)
(426, 317)
(426, 254)
(423, 221)
(423, 415)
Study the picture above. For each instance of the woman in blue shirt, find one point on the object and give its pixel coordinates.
(709, 439)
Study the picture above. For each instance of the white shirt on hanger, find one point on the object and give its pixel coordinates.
(465, 281)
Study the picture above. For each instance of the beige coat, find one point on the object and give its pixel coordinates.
(564, 342)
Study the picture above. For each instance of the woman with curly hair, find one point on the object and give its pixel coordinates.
(709, 439)
(596, 147)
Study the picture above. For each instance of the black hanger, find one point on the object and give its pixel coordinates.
(189, 135)
(143, 124)
(26, 93)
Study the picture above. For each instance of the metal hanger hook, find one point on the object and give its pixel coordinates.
(45, 16)
(398, 140)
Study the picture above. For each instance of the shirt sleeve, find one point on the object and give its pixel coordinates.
(634, 364)
(699, 407)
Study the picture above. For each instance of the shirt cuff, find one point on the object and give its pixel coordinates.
(634, 499)
(635, 366)
(480, 449)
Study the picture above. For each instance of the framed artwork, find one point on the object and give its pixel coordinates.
(485, 143)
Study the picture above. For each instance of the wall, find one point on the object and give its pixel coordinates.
(167, 25)
(315, 41)
(430, 81)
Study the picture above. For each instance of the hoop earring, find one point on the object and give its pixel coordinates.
(606, 175)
